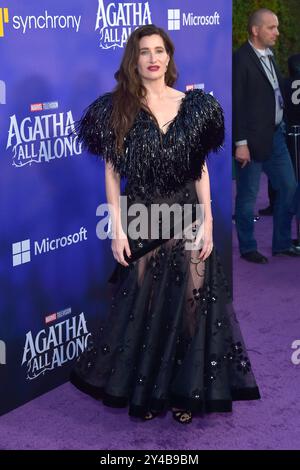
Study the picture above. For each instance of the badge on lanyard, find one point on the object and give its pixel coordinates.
(278, 97)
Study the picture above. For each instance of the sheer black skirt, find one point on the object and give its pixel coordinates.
(171, 338)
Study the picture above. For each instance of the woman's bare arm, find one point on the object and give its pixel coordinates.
(119, 240)
(204, 197)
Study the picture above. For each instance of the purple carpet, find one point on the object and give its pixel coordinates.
(267, 301)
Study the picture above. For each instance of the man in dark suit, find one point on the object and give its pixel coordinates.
(259, 138)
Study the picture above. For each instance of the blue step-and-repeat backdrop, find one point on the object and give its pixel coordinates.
(56, 57)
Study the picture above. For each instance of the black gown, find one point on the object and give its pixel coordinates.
(171, 338)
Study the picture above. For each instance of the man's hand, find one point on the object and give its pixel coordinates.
(242, 154)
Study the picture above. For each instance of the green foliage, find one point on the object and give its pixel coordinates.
(288, 12)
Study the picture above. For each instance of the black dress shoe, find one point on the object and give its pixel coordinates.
(254, 257)
(292, 251)
(267, 211)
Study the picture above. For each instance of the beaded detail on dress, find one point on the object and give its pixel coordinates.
(152, 158)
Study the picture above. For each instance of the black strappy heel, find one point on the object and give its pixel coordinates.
(149, 415)
(182, 416)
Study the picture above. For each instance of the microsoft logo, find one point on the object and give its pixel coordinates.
(173, 19)
(21, 252)
(3, 19)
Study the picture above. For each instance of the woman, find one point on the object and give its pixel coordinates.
(171, 339)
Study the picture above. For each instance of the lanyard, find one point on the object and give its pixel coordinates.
(271, 68)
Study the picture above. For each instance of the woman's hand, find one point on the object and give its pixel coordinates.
(207, 239)
(118, 245)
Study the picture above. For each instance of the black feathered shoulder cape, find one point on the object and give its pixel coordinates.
(152, 158)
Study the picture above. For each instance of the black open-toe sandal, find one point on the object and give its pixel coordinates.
(149, 415)
(182, 416)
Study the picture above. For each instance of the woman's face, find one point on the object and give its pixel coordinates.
(153, 58)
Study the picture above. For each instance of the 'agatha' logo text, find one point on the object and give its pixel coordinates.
(117, 20)
(42, 138)
(55, 346)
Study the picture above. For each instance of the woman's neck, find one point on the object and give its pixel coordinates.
(155, 88)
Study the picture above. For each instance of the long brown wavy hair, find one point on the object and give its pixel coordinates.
(129, 92)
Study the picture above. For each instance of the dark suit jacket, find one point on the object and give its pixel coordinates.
(253, 103)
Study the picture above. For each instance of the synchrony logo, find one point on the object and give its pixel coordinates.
(2, 92)
(116, 20)
(2, 352)
(176, 19)
(46, 21)
(3, 19)
(22, 252)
